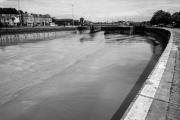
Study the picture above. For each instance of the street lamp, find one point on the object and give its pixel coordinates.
(19, 13)
(18, 5)
(72, 15)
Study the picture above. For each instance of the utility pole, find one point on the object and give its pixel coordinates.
(72, 15)
(19, 13)
(18, 5)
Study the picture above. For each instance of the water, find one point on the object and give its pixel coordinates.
(79, 77)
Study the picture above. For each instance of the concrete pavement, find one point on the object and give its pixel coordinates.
(159, 98)
(166, 106)
(173, 111)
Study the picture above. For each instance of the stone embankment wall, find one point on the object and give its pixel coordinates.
(20, 30)
(161, 34)
(120, 30)
(28, 37)
(152, 100)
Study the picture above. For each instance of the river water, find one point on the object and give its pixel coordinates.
(74, 77)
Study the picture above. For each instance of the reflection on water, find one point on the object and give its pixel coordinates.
(63, 79)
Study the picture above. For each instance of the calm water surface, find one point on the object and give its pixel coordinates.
(77, 77)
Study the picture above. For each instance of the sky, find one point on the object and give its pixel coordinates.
(95, 10)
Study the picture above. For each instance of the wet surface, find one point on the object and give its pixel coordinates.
(80, 76)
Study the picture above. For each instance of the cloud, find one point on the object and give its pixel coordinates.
(98, 10)
(1, 1)
(18, 0)
(66, 1)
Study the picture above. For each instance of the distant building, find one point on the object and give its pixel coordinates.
(76, 22)
(28, 19)
(2, 19)
(46, 19)
(63, 22)
(81, 21)
(9, 19)
(87, 22)
(37, 19)
(16, 19)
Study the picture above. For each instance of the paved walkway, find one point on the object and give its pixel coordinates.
(166, 105)
(173, 112)
(159, 98)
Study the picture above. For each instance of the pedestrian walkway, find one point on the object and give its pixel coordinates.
(166, 106)
(159, 98)
(173, 112)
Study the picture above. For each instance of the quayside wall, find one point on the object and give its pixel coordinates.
(21, 35)
(152, 99)
(11, 39)
(161, 35)
(115, 29)
(22, 30)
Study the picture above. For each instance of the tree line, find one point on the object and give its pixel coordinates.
(8, 11)
(165, 18)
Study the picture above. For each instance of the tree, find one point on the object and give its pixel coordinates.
(20, 12)
(161, 17)
(1, 11)
(1, 24)
(176, 17)
(8, 11)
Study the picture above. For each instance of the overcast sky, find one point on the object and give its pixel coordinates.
(96, 10)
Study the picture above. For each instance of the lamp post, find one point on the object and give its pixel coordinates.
(19, 13)
(72, 15)
(18, 5)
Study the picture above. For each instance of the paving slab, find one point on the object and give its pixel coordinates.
(159, 98)
(157, 111)
(163, 92)
(173, 112)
